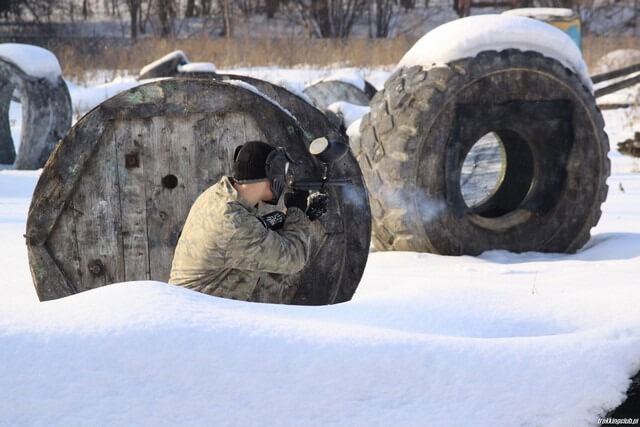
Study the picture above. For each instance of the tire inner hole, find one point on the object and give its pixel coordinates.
(497, 173)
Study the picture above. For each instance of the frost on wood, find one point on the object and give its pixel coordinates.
(466, 37)
(46, 112)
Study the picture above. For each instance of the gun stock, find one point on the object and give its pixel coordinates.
(319, 185)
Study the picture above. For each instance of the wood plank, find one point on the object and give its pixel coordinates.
(614, 87)
(129, 137)
(217, 137)
(63, 245)
(616, 73)
(169, 173)
(98, 228)
(50, 281)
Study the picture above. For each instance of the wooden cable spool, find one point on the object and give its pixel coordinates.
(112, 199)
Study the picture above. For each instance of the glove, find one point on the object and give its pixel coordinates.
(273, 220)
(318, 203)
(297, 199)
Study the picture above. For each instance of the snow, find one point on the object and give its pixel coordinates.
(542, 13)
(168, 57)
(85, 99)
(33, 60)
(500, 339)
(630, 95)
(466, 37)
(352, 76)
(478, 341)
(617, 59)
(349, 112)
(257, 91)
(193, 67)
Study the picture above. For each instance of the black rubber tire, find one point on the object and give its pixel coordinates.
(168, 67)
(369, 89)
(325, 92)
(424, 122)
(46, 116)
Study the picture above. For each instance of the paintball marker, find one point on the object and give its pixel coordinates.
(328, 152)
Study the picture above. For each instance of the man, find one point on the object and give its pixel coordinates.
(225, 248)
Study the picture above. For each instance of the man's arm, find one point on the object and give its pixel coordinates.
(257, 248)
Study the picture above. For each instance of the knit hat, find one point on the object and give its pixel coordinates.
(249, 161)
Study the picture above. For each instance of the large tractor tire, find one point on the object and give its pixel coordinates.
(552, 180)
(46, 115)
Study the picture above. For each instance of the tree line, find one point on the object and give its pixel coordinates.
(318, 18)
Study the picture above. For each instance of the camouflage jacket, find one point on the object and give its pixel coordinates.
(224, 248)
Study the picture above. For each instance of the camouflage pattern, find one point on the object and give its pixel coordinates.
(224, 249)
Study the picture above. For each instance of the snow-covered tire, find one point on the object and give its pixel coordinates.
(424, 122)
(325, 92)
(167, 66)
(369, 89)
(46, 115)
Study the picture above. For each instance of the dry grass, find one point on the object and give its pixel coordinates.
(225, 53)
(595, 47)
(76, 58)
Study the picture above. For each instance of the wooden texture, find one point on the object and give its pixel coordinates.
(112, 199)
(625, 71)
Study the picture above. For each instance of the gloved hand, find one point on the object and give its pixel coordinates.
(273, 220)
(318, 203)
(297, 199)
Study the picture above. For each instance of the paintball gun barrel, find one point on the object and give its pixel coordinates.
(328, 152)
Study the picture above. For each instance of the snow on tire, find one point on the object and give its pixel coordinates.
(423, 124)
(46, 104)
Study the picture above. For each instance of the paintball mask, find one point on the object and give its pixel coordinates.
(277, 167)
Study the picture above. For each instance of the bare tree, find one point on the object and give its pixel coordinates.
(166, 15)
(271, 7)
(190, 9)
(226, 12)
(329, 18)
(381, 13)
(134, 12)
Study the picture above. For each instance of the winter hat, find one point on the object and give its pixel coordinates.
(249, 160)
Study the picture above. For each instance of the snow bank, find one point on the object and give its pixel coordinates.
(466, 37)
(193, 67)
(550, 339)
(33, 60)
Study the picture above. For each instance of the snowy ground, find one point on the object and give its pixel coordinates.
(501, 339)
